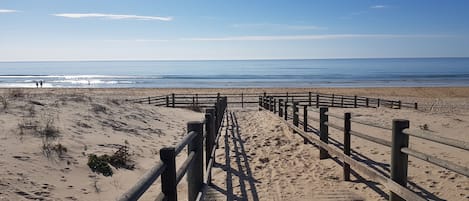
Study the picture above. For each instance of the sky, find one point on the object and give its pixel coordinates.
(46, 30)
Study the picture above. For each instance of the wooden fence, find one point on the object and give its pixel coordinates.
(251, 99)
(399, 142)
(207, 131)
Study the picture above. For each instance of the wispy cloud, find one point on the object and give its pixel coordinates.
(313, 37)
(278, 26)
(112, 16)
(139, 40)
(7, 11)
(379, 6)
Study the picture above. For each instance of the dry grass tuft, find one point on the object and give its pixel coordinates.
(97, 108)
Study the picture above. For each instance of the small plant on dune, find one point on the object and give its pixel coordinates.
(27, 124)
(100, 164)
(49, 149)
(97, 108)
(120, 159)
(16, 93)
(49, 130)
(424, 127)
(113, 101)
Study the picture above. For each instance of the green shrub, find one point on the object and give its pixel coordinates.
(100, 164)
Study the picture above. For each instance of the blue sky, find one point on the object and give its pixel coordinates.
(242, 29)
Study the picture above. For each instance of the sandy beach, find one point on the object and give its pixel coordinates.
(275, 162)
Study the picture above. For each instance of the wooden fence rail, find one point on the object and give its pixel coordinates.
(207, 130)
(249, 99)
(400, 150)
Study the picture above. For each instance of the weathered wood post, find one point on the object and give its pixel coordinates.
(355, 102)
(271, 103)
(168, 177)
(399, 104)
(174, 99)
(167, 101)
(210, 140)
(347, 128)
(275, 106)
(287, 98)
(149, 100)
(342, 101)
(195, 173)
(323, 131)
(367, 102)
(399, 160)
(217, 115)
(242, 100)
(193, 101)
(309, 98)
(332, 102)
(285, 111)
(280, 108)
(197, 99)
(260, 103)
(416, 106)
(295, 114)
(305, 122)
(379, 102)
(317, 100)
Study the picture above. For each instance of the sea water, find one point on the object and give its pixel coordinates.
(239, 73)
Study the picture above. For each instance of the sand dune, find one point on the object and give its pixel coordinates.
(98, 121)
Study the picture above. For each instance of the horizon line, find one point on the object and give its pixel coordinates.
(250, 59)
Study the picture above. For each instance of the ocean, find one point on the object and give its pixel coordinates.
(408, 72)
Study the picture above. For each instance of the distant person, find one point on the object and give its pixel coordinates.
(37, 85)
(40, 82)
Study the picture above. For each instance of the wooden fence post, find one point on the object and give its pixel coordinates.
(271, 103)
(168, 177)
(295, 114)
(342, 101)
(317, 100)
(260, 103)
(305, 122)
(242, 100)
(324, 131)
(416, 106)
(195, 173)
(287, 98)
(173, 97)
(347, 128)
(197, 99)
(280, 108)
(193, 101)
(275, 106)
(167, 101)
(149, 100)
(379, 102)
(332, 102)
(309, 98)
(285, 112)
(367, 102)
(399, 104)
(355, 102)
(399, 160)
(210, 139)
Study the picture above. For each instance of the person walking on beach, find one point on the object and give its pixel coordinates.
(40, 82)
(37, 85)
